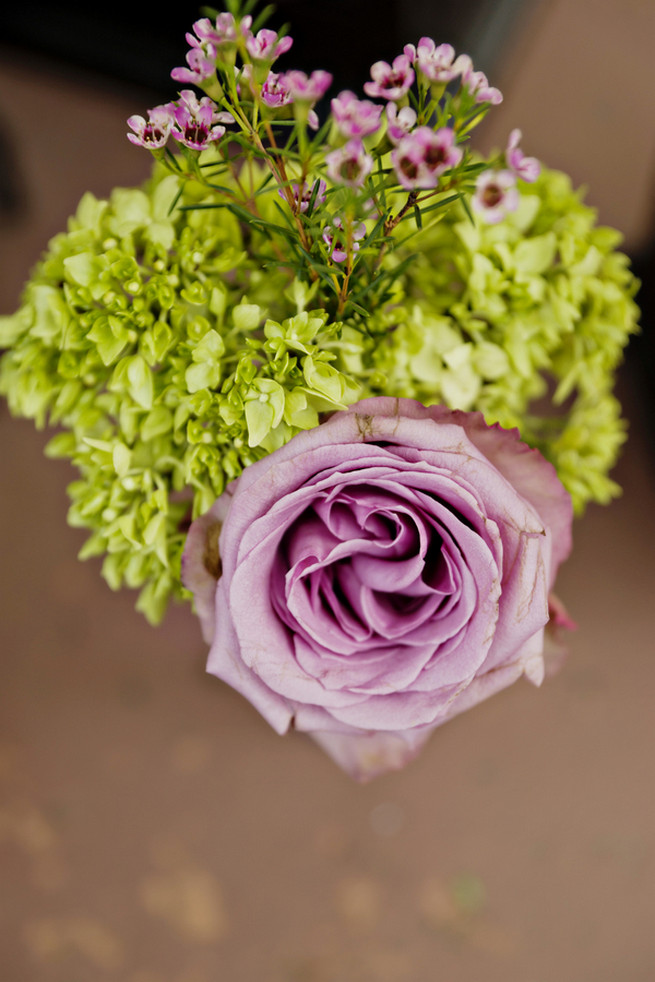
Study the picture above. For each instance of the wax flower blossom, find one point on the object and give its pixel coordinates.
(434, 61)
(153, 132)
(390, 81)
(209, 42)
(476, 83)
(527, 168)
(201, 61)
(305, 195)
(267, 46)
(423, 155)
(495, 196)
(350, 164)
(340, 241)
(399, 121)
(307, 88)
(301, 372)
(225, 30)
(197, 122)
(275, 91)
(355, 118)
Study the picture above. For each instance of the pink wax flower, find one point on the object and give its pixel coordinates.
(302, 197)
(495, 195)
(153, 132)
(527, 168)
(349, 165)
(225, 29)
(476, 82)
(267, 45)
(355, 118)
(336, 239)
(275, 91)
(197, 122)
(307, 88)
(390, 82)
(423, 155)
(201, 59)
(399, 121)
(209, 38)
(381, 573)
(435, 62)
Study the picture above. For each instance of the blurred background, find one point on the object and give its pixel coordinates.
(152, 827)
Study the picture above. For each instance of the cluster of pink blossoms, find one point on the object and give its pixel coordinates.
(218, 41)
(294, 87)
(193, 122)
(437, 65)
(420, 154)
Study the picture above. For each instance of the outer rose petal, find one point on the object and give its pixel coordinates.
(555, 649)
(366, 755)
(529, 474)
(484, 498)
(201, 565)
(224, 661)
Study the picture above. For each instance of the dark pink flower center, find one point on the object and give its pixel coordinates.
(195, 133)
(350, 170)
(492, 196)
(435, 156)
(152, 134)
(408, 167)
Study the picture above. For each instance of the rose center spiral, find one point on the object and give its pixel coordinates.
(364, 569)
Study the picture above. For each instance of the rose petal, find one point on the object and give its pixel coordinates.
(366, 755)
(201, 566)
(382, 573)
(225, 663)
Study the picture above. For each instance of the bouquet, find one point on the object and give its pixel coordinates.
(336, 378)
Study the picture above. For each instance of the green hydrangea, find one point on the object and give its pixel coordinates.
(525, 320)
(171, 347)
(171, 356)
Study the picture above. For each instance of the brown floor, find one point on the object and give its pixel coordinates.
(154, 829)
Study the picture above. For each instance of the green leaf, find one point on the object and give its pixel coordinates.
(535, 255)
(202, 376)
(324, 379)
(259, 419)
(61, 445)
(111, 337)
(158, 422)
(246, 317)
(210, 348)
(448, 200)
(358, 308)
(83, 268)
(12, 326)
(140, 381)
(121, 458)
(263, 16)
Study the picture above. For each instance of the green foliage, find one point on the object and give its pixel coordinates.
(170, 359)
(172, 347)
(526, 321)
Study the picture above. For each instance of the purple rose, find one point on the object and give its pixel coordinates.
(380, 574)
